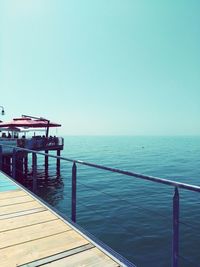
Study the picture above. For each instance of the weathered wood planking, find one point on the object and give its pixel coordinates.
(12, 194)
(33, 232)
(40, 248)
(16, 200)
(26, 220)
(32, 235)
(92, 257)
(21, 213)
(19, 207)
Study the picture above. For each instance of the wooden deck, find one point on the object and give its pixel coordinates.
(31, 234)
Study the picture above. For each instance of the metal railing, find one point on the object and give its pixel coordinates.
(35, 142)
(176, 185)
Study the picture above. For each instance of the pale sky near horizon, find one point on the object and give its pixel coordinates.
(111, 67)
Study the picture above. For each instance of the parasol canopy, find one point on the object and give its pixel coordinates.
(12, 129)
(29, 123)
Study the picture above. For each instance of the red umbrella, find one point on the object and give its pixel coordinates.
(29, 123)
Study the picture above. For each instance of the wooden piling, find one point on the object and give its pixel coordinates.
(7, 164)
(14, 155)
(19, 166)
(25, 165)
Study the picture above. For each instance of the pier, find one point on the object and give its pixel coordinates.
(175, 201)
(32, 234)
(13, 133)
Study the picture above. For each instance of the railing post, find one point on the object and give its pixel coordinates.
(74, 192)
(1, 158)
(175, 243)
(46, 164)
(58, 163)
(14, 163)
(34, 171)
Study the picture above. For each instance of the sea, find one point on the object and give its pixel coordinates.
(131, 215)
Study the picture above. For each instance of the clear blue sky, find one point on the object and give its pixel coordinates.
(103, 67)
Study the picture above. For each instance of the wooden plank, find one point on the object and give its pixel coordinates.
(41, 248)
(21, 213)
(31, 235)
(26, 220)
(58, 256)
(33, 232)
(12, 194)
(19, 207)
(92, 257)
(16, 200)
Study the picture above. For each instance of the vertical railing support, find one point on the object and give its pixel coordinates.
(34, 171)
(46, 160)
(14, 155)
(58, 163)
(73, 192)
(175, 243)
(1, 158)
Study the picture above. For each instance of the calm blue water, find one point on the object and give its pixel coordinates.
(131, 215)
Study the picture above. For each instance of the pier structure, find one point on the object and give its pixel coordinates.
(176, 256)
(33, 234)
(14, 134)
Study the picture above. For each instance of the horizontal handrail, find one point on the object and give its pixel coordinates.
(115, 170)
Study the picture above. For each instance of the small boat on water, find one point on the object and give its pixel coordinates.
(22, 131)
